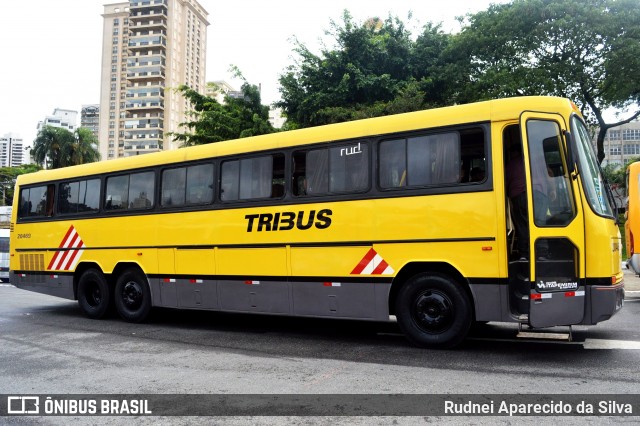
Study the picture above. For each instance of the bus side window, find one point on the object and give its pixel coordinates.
(252, 178)
(336, 170)
(421, 160)
(117, 192)
(37, 201)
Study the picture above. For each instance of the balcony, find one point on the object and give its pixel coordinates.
(148, 24)
(147, 42)
(145, 106)
(135, 5)
(145, 14)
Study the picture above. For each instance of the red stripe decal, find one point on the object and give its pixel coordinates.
(64, 240)
(380, 268)
(365, 261)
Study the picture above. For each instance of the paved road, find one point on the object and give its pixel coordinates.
(47, 346)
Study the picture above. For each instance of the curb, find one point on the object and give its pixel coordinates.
(632, 294)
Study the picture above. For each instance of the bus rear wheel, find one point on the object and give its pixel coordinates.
(93, 294)
(132, 296)
(433, 311)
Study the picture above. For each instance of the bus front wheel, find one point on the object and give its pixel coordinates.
(433, 311)
(132, 296)
(93, 294)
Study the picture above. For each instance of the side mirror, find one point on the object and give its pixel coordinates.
(571, 162)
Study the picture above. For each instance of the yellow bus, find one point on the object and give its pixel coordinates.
(403, 216)
(632, 216)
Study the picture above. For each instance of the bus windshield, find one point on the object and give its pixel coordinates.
(588, 166)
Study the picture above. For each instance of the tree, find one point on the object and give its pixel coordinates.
(374, 69)
(8, 177)
(83, 149)
(215, 122)
(49, 145)
(55, 147)
(579, 49)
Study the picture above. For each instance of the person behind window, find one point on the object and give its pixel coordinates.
(477, 174)
(516, 191)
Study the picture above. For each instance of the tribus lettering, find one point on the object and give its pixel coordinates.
(285, 221)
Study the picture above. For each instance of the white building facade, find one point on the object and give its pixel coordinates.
(65, 118)
(621, 144)
(12, 151)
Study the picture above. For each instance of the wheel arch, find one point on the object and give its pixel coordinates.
(80, 269)
(413, 268)
(123, 266)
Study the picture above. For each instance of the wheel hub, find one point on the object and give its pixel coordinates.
(433, 311)
(132, 294)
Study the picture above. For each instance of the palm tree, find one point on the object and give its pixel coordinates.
(83, 149)
(48, 146)
(55, 147)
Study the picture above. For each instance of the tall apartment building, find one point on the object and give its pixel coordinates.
(12, 151)
(150, 47)
(622, 144)
(90, 118)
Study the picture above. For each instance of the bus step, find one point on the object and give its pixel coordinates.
(543, 335)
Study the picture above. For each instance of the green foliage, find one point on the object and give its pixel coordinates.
(55, 147)
(83, 148)
(584, 50)
(579, 49)
(375, 69)
(8, 177)
(215, 122)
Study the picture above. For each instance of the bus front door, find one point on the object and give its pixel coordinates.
(556, 225)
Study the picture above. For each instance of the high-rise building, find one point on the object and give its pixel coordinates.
(90, 118)
(150, 47)
(12, 151)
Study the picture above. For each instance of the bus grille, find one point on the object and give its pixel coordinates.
(32, 262)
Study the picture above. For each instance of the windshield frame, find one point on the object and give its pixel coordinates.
(589, 170)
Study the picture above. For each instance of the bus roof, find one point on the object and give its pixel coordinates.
(494, 110)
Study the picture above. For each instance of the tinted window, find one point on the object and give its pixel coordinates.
(135, 191)
(36, 201)
(420, 161)
(117, 193)
(550, 181)
(173, 183)
(78, 197)
(141, 189)
(199, 184)
(340, 169)
(252, 178)
(187, 185)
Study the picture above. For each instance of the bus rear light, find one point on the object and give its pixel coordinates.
(570, 294)
(535, 296)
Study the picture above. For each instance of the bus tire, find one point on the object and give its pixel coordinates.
(93, 293)
(433, 311)
(132, 296)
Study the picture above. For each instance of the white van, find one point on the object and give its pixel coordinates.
(4, 255)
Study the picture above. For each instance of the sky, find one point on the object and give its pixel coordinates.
(50, 50)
